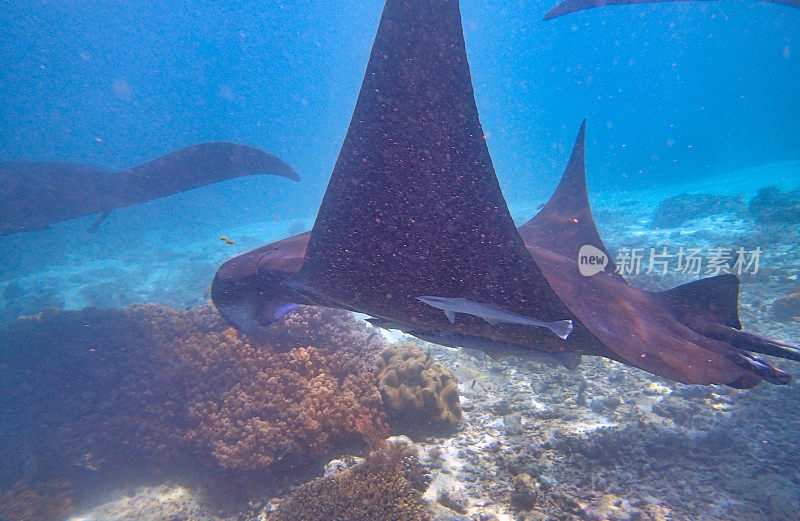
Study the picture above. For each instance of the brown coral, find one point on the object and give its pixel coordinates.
(297, 402)
(367, 492)
(327, 329)
(159, 387)
(415, 385)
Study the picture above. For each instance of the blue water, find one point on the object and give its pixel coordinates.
(700, 96)
(671, 91)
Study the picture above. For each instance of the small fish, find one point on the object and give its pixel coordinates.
(493, 314)
(226, 240)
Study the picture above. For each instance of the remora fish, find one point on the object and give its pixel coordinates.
(492, 314)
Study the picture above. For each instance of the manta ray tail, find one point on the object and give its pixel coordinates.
(572, 6)
(710, 307)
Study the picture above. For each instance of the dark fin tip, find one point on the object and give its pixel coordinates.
(567, 7)
(709, 300)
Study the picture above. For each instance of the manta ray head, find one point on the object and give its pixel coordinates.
(249, 290)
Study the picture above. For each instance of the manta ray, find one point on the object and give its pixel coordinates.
(414, 231)
(34, 195)
(571, 6)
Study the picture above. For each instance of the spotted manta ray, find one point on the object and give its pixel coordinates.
(413, 209)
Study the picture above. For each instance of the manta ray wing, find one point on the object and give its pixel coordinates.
(572, 6)
(199, 165)
(413, 206)
(672, 334)
(565, 223)
(34, 195)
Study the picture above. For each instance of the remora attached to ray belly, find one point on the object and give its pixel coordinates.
(413, 208)
(34, 195)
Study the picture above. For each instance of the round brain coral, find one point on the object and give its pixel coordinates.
(414, 384)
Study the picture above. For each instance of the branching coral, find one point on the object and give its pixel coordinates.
(95, 389)
(415, 385)
(327, 329)
(298, 402)
(367, 492)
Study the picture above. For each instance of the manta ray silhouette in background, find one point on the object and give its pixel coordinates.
(414, 231)
(34, 195)
(571, 6)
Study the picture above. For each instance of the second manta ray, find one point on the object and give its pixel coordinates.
(414, 208)
(34, 195)
(571, 6)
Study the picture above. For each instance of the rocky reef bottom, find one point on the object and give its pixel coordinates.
(527, 440)
(539, 442)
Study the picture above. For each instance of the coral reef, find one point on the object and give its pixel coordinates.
(326, 329)
(46, 501)
(611, 442)
(416, 386)
(526, 493)
(774, 206)
(786, 307)
(297, 402)
(675, 210)
(99, 391)
(368, 492)
(16, 300)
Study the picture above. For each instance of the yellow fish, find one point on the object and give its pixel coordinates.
(226, 240)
